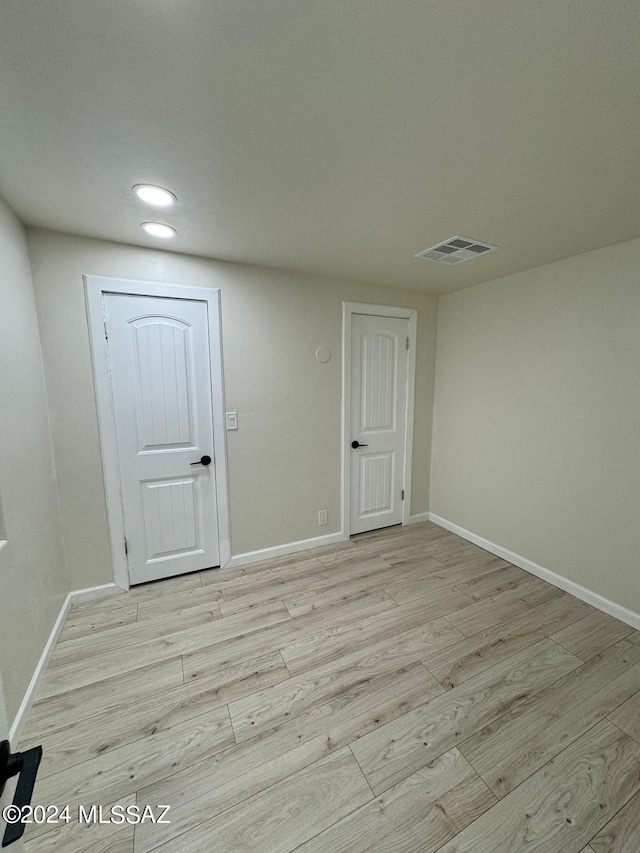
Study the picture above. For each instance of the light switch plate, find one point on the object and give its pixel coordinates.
(232, 420)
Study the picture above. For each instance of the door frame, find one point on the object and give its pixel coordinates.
(95, 288)
(410, 314)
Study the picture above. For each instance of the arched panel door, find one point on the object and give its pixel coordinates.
(161, 385)
(378, 412)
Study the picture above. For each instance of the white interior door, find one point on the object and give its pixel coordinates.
(161, 386)
(378, 413)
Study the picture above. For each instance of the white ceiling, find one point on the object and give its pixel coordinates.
(334, 136)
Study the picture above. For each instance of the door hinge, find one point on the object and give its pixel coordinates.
(106, 333)
(403, 494)
(407, 343)
(126, 547)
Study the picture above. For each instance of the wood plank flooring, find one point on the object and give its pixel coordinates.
(404, 691)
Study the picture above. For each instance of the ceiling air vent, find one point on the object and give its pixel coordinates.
(456, 250)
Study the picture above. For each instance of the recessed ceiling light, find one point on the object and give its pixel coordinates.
(159, 229)
(157, 196)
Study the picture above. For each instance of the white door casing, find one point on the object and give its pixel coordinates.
(161, 385)
(174, 515)
(7, 795)
(378, 420)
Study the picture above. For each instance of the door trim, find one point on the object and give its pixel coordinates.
(410, 314)
(95, 288)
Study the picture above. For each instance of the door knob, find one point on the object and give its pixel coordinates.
(204, 460)
(356, 444)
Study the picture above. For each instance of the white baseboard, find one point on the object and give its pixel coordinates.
(92, 592)
(27, 701)
(288, 548)
(38, 675)
(618, 611)
(419, 518)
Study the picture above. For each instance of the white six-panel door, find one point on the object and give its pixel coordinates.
(378, 412)
(161, 386)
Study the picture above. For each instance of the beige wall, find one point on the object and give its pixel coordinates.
(536, 439)
(32, 571)
(537, 417)
(284, 460)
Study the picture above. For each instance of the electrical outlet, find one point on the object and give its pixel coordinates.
(322, 517)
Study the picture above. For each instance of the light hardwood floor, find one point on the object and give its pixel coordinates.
(404, 691)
